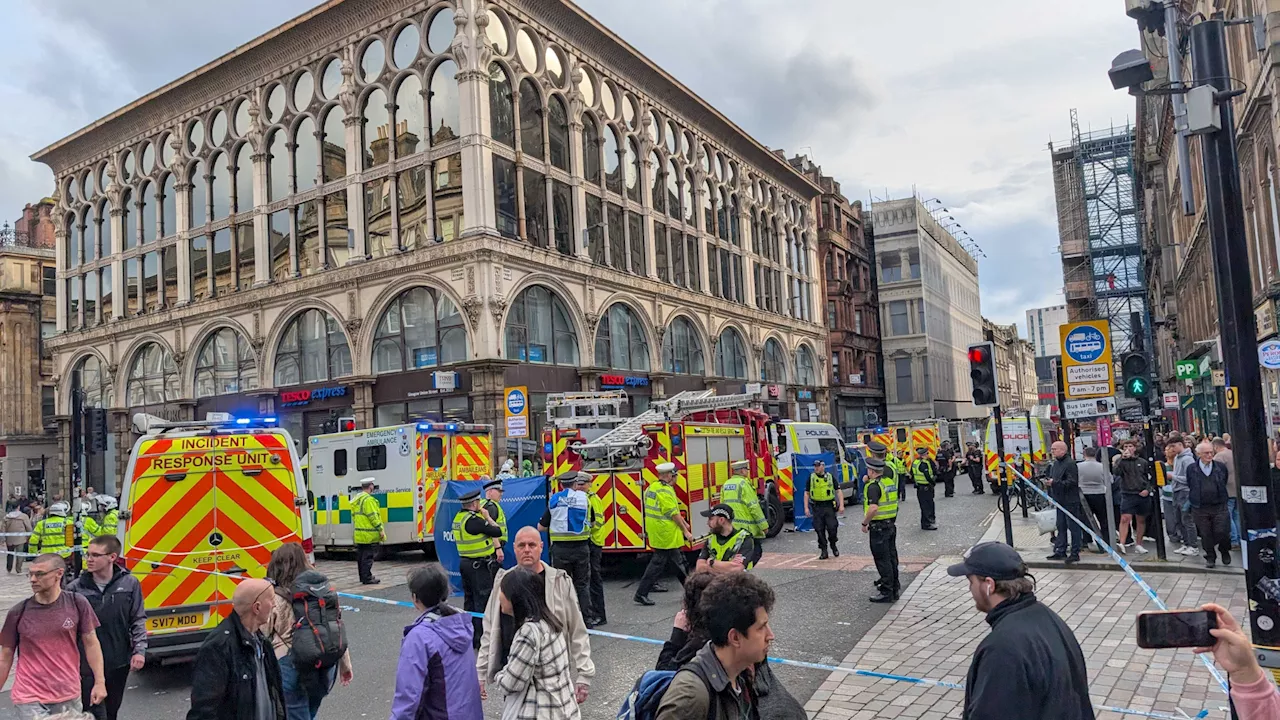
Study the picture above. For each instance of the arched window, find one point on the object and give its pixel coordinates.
(530, 119)
(277, 167)
(659, 182)
(682, 352)
(199, 194)
(805, 371)
(375, 146)
(590, 150)
(130, 226)
(153, 377)
(306, 161)
(95, 380)
(690, 216)
(558, 133)
(735, 231)
(773, 366)
(444, 103)
(621, 342)
(673, 190)
(539, 329)
(411, 121)
(169, 207)
(502, 113)
(421, 328)
(313, 348)
(612, 162)
(708, 214)
(722, 214)
(147, 211)
(631, 171)
(225, 365)
(244, 179)
(731, 355)
(221, 186)
(334, 146)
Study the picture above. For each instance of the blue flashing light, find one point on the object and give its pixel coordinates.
(243, 421)
(269, 420)
(424, 427)
(451, 427)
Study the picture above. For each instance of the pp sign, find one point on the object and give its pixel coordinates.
(516, 408)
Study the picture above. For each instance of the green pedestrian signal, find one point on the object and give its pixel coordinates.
(1137, 381)
(1137, 387)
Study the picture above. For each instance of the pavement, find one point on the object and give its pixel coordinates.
(821, 614)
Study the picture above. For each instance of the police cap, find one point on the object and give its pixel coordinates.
(875, 463)
(470, 497)
(877, 447)
(666, 467)
(495, 483)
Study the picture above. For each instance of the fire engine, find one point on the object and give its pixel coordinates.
(698, 431)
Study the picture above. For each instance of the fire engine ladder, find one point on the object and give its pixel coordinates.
(601, 407)
(630, 432)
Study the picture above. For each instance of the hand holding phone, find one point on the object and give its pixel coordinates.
(1176, 629)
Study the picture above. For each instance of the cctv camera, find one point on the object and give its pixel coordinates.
(1130, 70)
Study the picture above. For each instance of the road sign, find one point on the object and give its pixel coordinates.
(1092, 407)
(1233, 397)
(1171, 401)
(1086, 361)
(516, 408)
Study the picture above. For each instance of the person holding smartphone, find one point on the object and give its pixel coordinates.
(1253, 693)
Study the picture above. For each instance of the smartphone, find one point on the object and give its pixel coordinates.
(1176, 629)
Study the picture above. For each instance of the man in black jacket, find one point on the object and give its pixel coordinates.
(1064, 487)
(1207, 485)
(236, 674)
(116, 598)
(1030, 665)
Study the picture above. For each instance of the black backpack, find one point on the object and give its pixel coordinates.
(319, 636)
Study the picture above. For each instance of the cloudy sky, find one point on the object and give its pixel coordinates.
(957, 100)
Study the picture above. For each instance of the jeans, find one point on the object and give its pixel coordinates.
(1235, 522)
(302, 698)
(13, 561)
(1065, 525)
(1182, 518)
(35, 711)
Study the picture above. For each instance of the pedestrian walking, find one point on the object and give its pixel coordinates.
(1207, 493)
(1064, 488)
(476, 538)
(1253, 692)
(305, 686)
(823, 498)
(667, 532)
(735, 608)
(535, 681)
(739, 493)
(561, 599)
(947, 469)
(1182, 527)
(236, 675)
(925, 473)
(366, 514)
(1135, 497)
(1223, 454)
(17, 530)
(566, 520)
(1030, 664)
(116, 599)
(50, 533)
(493, 506)
(727, 549)
(973, 465)
(436, 677)
(880, 523)
(597, 615)
(47, 632)
(1095, 485)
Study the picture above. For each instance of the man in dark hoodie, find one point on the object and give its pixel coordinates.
(116, 598)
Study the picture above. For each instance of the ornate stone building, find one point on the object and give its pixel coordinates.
(395, 209)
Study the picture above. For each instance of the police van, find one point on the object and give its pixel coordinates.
(201, 498)
(794, 444)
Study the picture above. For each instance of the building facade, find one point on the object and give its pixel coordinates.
(28, 284)
(396, 209)
(852, 310)
(1042, 329)
(929, 313)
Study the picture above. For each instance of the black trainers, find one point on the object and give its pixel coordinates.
(823, 555)
(836, 551)
(1210, 564)
(1072, 559)
(1226, 558)
(660, 588)
(643, 600)
(883, 597)
(1056, 556)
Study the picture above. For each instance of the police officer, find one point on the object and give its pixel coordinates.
(493, 506)
(50, 533)
(566, 521)
(822, 499)
(107, 526)
(666, 531)
(925, 472)
(739, 493)
(947, 469)
(728, 548)
(366, 514)
(899, 467)
(477, 538)
(880, 521)
(599, 538)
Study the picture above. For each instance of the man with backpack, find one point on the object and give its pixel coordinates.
(716, 684)
(116, 598)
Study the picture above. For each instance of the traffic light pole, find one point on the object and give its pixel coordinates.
(1238, 332)
(1003, 470)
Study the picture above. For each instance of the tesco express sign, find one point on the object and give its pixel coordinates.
(293, 398)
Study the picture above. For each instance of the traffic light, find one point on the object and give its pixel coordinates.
(1137, 381)
(982, 370)
(96, 429)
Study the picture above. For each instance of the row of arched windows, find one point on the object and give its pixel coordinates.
(422, 328)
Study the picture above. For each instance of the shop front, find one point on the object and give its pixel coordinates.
(251, 404)
(1265, 317)
(638, 388)
(313, 410)
(806, 405)
(422, 395)
(1201, 412)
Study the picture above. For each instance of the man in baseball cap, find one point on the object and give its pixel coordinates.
(1030, 665)
(727, 549)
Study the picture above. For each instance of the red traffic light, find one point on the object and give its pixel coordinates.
(977, 354)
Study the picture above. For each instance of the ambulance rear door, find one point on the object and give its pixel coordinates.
(433, 457)
(330, 462)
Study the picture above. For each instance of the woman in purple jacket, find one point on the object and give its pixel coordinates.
(436, 676)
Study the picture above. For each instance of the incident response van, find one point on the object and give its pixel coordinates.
(408, 463)
(202, 504)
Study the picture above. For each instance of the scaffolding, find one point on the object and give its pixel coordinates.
(1098, 203)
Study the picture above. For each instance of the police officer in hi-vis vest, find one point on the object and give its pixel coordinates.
(822, 499)
(567, 521)
(666, 531)
(880, 521)
(728, 548)
(493, 506)
(739, 493)
(925, 472)
(476, 536)
(366, 516)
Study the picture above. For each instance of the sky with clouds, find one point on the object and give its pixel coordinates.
(956, 100)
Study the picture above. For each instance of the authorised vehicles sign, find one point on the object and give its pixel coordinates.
(1088, 368)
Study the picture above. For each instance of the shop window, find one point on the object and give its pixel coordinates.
(153, 377)
(620, 341)
(421, 328)
(313, 348)
(682, 352)
(539, 329)
(731, 355)
(225, 365)
(371, 457)
(340, 462)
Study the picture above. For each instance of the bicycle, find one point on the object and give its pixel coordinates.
(1018, 496)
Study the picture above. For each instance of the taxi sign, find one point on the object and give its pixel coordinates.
(1087, 365)
(516, 408)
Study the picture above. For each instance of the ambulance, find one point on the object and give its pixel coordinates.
(1025, 444)
(793, 440)
(201, 498)
(408, 463)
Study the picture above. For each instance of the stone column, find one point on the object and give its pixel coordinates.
(359, 245)
(647, 174)
(61, 235)
(576, 127)
(362, 406)
(182, 209)
(473, 51)
(261, 220)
